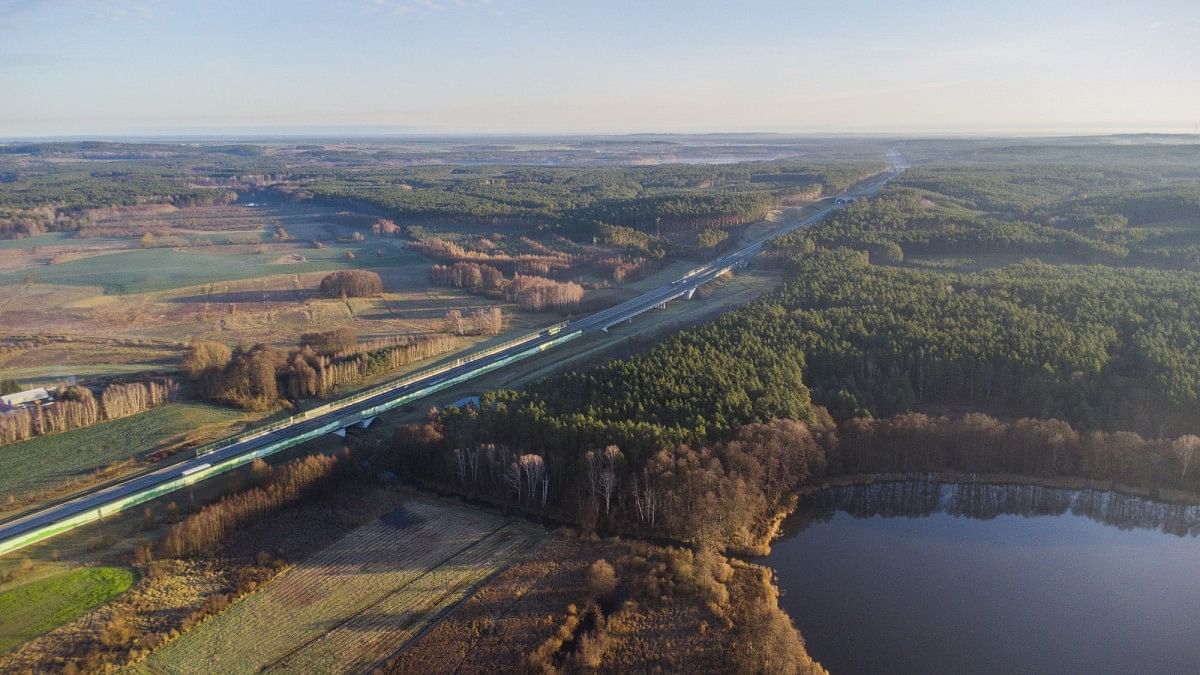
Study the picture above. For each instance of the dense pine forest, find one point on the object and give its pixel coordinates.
(1136, 214)
(1097, 346)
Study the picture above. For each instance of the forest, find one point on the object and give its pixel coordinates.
(653, 200)
(59, 197)
(1138, 214)
(58, 186)
(1100, 347)
(1085, 370)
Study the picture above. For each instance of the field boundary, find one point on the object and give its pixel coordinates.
(380, 600)
(357, 602)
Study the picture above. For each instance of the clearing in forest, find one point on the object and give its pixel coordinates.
(354, 604)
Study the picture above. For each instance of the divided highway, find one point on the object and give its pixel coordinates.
(361, 409)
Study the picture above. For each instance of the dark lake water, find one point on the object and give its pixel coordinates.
(927, 577)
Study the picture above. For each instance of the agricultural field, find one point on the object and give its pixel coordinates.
(96, 305)
(46, 462)
(33, 608)
(111, 302)
(354, 604)
(157, 269)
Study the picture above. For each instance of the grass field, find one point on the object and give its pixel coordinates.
(30, 610)
(113, 307)
(52, 374)
(49, 239)
(49, 461)
(156, 269)
(355, 603)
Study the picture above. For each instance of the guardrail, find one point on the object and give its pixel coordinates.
(205, 471)
(357, 397)
(693, 272)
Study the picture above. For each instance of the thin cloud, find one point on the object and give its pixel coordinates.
(405, 7)
(105, 10)
(10, 8)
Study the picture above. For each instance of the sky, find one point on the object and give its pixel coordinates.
(112, 67)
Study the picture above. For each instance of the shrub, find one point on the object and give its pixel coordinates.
(351, 284)
(601, 579)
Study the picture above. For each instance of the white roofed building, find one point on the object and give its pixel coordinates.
(21, 398)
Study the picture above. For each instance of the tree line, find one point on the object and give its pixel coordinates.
(468, 275)
(724, 494)
(489, 321)
(983, 500)
(978, 443)
(77, 406)
(543, 261)
(261, 377)
(208, 528)
(529, 291)
(731, 493)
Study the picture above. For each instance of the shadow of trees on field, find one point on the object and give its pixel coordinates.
(281, 295)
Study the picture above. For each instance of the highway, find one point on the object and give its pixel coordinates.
(360, 409)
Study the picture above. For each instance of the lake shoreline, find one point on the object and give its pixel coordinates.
(1163, 495)
(914, 573)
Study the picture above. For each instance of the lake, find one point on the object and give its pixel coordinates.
(922, 576)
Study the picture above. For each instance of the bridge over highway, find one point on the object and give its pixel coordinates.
(361, 409)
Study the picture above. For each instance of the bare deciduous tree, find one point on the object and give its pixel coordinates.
(608, 475)
(1184, 448)
(453, 323)
(460, 464)
(533, 469)
(489, 321)
(512, 478)
(645, 499)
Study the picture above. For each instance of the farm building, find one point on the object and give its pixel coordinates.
(27, 398)
(23, 398)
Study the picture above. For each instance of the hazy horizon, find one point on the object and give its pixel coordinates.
(533, 67)
(372, 133)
